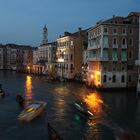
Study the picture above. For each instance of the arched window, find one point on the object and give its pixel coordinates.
(130, 41)
(104, 78)
(124, 41)
(114, 78)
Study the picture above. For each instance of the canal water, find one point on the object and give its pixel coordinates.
(116, 113)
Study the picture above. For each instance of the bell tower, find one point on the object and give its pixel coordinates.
(45, 35)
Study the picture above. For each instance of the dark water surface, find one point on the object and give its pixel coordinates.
(115, 112)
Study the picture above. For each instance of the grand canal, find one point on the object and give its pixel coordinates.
(116, 113)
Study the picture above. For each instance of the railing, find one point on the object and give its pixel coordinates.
(137, 62)
(115, 59)
(124, 46)
(115, 46)
(94, 59)
(124, 59)
(105, 46)
(104, 59)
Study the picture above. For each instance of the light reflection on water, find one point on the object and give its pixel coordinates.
(28, 90)
(117, 113)
(94, 102)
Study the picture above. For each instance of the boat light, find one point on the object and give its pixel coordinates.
(90, 113)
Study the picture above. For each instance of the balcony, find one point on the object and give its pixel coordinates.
(124, 46)
(124, 59)
(137, 62)
(115, 46)
(92, 47)
(104, 59)
(94, 59)
(105, 46)
(114, 59)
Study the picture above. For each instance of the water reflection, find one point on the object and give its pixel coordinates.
(94, 102)
(28, 90)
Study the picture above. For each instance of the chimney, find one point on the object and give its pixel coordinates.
(66, 33)
(79, 28)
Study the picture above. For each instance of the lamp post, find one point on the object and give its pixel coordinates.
(28, 69)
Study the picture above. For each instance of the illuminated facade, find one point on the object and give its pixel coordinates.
(15, 57)
(112, 51)
(70, 54)
(44, 58)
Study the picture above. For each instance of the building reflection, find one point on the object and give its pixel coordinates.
(28, 90)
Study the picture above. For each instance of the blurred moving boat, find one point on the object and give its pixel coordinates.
(82, 108)
(32, 111)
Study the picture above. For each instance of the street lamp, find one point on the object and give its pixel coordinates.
(92, 76)
(28, 69)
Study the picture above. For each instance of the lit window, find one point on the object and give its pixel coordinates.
(71, 43)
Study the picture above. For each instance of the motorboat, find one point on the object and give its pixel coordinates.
(82, 108)
(32, 111)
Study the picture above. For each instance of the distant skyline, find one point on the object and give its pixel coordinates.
(21, 22)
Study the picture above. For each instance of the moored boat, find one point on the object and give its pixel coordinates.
(32, 111)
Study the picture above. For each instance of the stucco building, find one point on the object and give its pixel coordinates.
(112, 51)
(70, 53)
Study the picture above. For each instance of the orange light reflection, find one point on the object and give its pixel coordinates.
(28, 90)
(94, 102)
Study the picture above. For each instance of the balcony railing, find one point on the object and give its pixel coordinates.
(124, 59)
(124, 46)
(104, 59)
(98, 59)
(115, 59)
(105, 46)
(115, 46)
(137, 62)
(94, 59)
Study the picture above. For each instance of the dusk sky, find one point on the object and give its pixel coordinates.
(21, 21)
